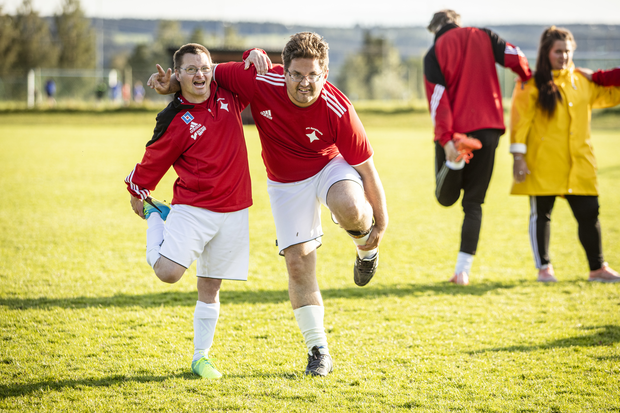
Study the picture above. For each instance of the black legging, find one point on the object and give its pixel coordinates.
(473, 179)
(585, 209)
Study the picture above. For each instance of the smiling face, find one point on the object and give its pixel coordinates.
(195, 88)
(561, 55)
(304, 93)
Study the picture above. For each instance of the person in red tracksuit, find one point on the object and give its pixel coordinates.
(465, 104)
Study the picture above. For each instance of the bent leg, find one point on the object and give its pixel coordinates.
(348, 204)
(586, 210)
(347, 201)
(448, 182)
(168, 271)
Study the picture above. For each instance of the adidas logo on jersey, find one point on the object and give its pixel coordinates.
(194, 126)
(196, 130)
(267, 114)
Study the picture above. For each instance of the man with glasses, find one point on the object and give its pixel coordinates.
(316, 152)
(199, 134)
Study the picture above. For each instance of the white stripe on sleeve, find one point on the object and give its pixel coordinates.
(435, 99)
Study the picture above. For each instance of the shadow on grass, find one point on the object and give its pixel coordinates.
(17, 390)
(251, 297)
(188, 299)
(606, 335)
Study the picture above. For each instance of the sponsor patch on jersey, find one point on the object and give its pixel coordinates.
(187, 118)
(266, 113)
(198, 133)
(196, 130)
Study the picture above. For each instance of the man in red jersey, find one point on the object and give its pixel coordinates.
(199, 134)
(465, 102)
(316, 152)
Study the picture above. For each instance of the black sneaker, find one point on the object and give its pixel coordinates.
(364, 269)
(319, 364)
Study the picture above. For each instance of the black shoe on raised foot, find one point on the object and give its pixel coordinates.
(319, 364)
(364, 269)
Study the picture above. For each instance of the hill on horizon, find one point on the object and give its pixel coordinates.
(599, 42)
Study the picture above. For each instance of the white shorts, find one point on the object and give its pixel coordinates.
(219, 241)
(296, 206)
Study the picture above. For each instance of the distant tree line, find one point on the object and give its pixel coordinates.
(28, 41)
(377, 71)
(68, 40)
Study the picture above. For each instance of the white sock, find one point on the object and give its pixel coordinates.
(154, 238)
(362, 241)
(463, 263)
(310, 321)
(455, 166)
(205, 320)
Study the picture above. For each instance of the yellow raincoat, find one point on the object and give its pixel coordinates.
(558, 150)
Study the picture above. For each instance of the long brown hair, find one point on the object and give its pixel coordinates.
(548, 92)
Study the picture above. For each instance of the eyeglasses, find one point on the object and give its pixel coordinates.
(192, 70)
(311, 78)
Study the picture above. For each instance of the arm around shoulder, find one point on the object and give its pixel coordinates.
(607, 77)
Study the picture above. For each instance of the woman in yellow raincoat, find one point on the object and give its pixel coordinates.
(553, 155)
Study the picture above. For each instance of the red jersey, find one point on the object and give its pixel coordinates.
(297, 142)
(461, 79)
(607, 77)
(204, 143)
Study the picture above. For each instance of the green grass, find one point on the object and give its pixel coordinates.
(85, 325)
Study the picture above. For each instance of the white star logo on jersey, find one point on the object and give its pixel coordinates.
(223, 105)
(312, 136)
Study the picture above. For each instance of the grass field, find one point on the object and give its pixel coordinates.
(85, 326)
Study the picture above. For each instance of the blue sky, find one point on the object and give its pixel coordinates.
(346, 13)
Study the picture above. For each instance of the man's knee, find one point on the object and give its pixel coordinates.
(448, 186)
(445, 200)
(587, 213)
(209, 289)
(299, 261)
(168, 271)
(352, 210)
(295, 264)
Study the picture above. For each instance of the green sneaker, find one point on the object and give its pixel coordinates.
(153, 205)
(205, 369)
